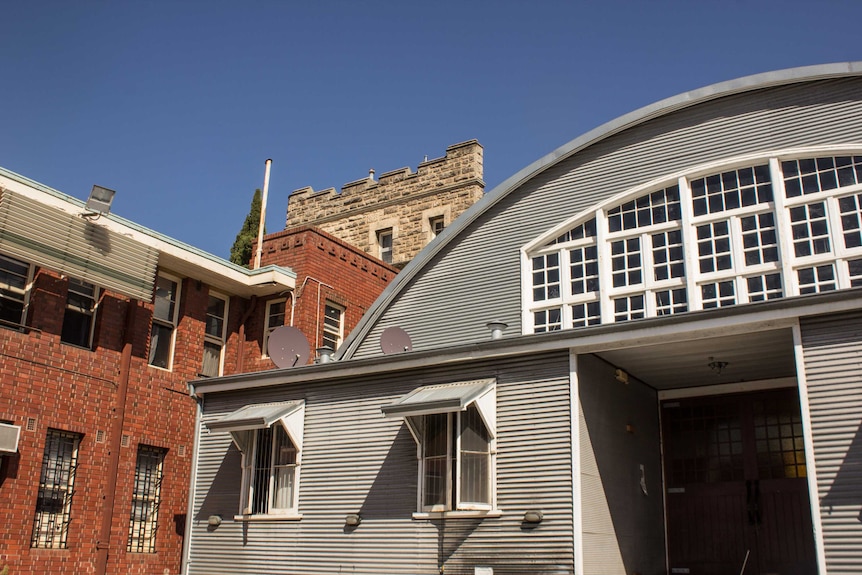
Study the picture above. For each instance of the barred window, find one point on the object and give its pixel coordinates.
(56, 490)
(146, 497)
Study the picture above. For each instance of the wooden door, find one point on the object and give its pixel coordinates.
(737, 493)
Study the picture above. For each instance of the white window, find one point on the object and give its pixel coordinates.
(384, 244)
(14, 277)
(333, 325)
(56, 490)
(146, 498)
(214, 335)
(275, 310)
(775, 228)
(454, 426)
(436, 224)
(269, 435)
(165, 311)
(80, 314)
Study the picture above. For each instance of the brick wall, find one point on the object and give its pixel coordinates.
(73, 389)
(327, 269)
(400, 200)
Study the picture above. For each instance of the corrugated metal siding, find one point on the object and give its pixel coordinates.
(832, 350)
(476, 278)
(75, 246)
(357, 460)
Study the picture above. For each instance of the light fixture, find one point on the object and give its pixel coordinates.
(99, 202)
(717, 366)
(324, 354)
(533, 516)
(496, 328)
(621, 376)
(214, 520)
(352, 519)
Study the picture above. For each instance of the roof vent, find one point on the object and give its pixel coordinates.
(496, 328)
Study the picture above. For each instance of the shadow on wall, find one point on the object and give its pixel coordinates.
(224, 492)
(393, 493)
(623, 519)
(846, 489)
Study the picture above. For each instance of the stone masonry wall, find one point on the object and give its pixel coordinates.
(401, 200)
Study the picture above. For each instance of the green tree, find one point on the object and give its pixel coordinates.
(240, 252)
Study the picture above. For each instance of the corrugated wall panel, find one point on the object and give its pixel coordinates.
(357, 461)
(76, 246)
(832, 351)
(476, 278)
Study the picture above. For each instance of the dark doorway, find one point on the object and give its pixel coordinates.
(737, 492)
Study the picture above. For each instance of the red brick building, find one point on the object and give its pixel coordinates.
(335, 283)
(102, 324)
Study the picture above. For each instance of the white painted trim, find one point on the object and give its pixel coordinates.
(725, 388)
(190, 506)
(577, 509)
(808, 438)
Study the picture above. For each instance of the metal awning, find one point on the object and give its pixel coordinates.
(57, 240)
(255, 416)
(446, 398)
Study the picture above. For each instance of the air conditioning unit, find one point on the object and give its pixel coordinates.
(9, 438)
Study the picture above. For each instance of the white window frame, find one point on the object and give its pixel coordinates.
(6, 286)
(334, 333)
(385, 253)
(216, 339)
(91, 312)
(478, 394)
(245, 425)
(267, 320)
(170, 323)
(788, 265)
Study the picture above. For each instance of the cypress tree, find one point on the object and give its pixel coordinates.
(240, 252)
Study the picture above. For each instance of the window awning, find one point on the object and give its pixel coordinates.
(446, 398)
(291, 414)
(71, 245)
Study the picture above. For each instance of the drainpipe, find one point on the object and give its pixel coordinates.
(103, 544)
(320, 284)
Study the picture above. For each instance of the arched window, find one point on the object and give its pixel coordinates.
(777, 227)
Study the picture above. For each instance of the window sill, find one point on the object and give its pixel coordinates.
(253, 518)
(472, 514)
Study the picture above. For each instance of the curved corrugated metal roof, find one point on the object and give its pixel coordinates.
(627, 121)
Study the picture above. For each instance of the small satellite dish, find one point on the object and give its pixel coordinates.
(287, 347)
(395, 340)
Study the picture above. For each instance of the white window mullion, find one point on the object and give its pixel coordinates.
(648, 274)
(689, 246)
(605, 271)
(836, 237)
(786, 254)
(737, 255)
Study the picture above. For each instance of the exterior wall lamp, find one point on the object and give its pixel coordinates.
(352, 519)
(533, 516)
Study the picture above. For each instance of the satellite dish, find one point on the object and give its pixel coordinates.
(287, 347)
(395, 340)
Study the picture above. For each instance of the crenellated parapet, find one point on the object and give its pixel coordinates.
(403, 201)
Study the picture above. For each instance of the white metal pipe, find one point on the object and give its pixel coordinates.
(262, 215)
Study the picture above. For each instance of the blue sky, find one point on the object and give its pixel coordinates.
(176, 105)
